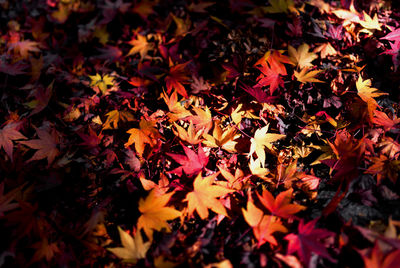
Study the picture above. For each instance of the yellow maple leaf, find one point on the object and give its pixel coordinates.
(261, 140)
(366, 92)
(191, 135)
(307, 77)
(257, 169)
(145, 134)
(240, 113)
(101, 82)
(204, 196)
(177, 110)
(302, 57)
(114, 116)
(155, 214)
(223, 138)
(326, 49)
(140, 45)
(132, 248)
(370, 23)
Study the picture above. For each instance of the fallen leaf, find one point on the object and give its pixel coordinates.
(204, 196)
(132, 248)
(155, 213)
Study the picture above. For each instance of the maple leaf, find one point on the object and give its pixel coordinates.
(202, 120)
(366, 92)
(307, 77)
(307, 241)
(24, 47)
(261, 140)
(46, 145)
(132, 248)
(146, 133)
(115, 116)
(240, 113)
(263, 225)
(390, 147)
(160, 188)
(377, 258)
(191, 163)
(8, 134)
(302, 57)
(383, 167)
(101, 82)
(223, 138)
(140, 45)
(257, 169)
(199, 85)
(382, 119)
(326, 49)
(258, 93)
(155, 214)
(177, 76)
(204, 196)
(177, 110)
(191, 135)
(280, 206)
(235, 182)
(369, 23)
(44, 249)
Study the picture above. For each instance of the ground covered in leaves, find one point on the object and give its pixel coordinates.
(218, 134)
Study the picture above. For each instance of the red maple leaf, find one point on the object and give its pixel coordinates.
(191, 163)
(176, 77)
(307, 241)
(270, 78)
(258, 94)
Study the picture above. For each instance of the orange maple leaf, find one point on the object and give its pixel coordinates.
(280, 206)
(176, 77)
(191, 135)
(145, 134)
(223, 138)
(155, 213)
(235, 182)
(263, 225)
(114, 117)
(204, 196)
(140, 45)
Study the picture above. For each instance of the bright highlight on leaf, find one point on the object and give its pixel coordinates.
(133, 248)
(155, 213)
(263, 140)
(204, 197)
